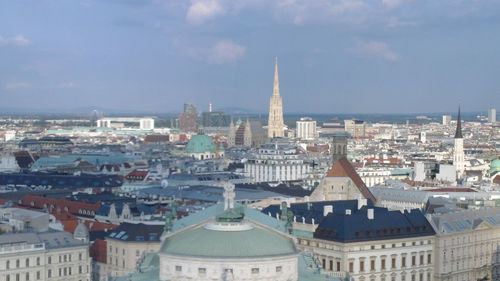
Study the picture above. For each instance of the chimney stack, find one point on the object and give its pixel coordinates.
(370, 214)
(361, 203)
(327, 209)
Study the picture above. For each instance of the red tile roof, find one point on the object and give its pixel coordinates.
(156, 138)
(343, 168)
(496, 180)
(72, 207)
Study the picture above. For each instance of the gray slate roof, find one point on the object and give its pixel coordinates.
(52, 239)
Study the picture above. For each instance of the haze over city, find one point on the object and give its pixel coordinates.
(343, 56)
(249, 140)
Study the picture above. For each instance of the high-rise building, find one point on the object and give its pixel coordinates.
(492, 115)
(188, 120)
(306, 128)
(446, 120)
(458, 150)
(275, 123)
(215, 119)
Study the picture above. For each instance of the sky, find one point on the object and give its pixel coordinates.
(335, 56)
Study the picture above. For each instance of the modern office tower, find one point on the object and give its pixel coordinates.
(306, 128)
(446, 119)
(492, 115)
(188, 120)
(275, 123)
(458, 150)
(215, 119)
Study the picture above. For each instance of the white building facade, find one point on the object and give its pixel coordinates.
(43, 256)
(306, 129)
(274, 164)
(467, 245)
(380, 260)
(492, 115)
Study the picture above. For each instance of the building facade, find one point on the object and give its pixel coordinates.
(306, 129)
(188, 119)
(127, 245)
(44, 256)
(341, 182)
(249, 134)
(356, 128)
(276, 163)
(492, 115)
(446, 120)
(467, 245)
(353, 240)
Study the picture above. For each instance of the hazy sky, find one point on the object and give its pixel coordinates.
(335, 56)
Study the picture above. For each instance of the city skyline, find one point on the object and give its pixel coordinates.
(152, 56)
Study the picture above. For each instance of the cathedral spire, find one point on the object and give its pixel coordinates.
(275, 124)
(276, 89)
(458, 132)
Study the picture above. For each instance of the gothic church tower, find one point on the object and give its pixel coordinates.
(458, 150)
(275, 123)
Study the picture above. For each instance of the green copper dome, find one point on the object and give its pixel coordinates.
(201, 144)
(249, 243)
(495, 166)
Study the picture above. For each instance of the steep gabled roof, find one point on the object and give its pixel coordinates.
(344, 168)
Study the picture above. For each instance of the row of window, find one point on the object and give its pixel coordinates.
(18, 263)
(66, 271)
(38, 275)
(203, 270)
(116, 262)
(17, 276)
(383, 264)
(372, 247)
(65, 258)
(413, 277)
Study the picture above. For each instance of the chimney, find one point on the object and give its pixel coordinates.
(327, 209)
(361, 203)
(348, 212)
(370, 214)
